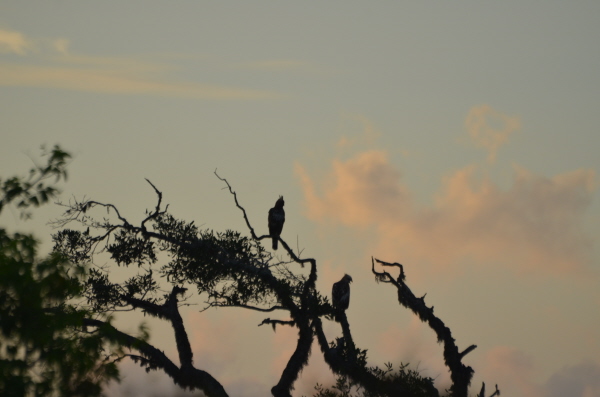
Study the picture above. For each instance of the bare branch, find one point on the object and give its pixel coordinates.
(254, 236)
(157, 210)
(259, 309)
(460, 374)
(276, 322)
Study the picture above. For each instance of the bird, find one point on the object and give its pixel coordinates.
(276, 220)
(340, 295)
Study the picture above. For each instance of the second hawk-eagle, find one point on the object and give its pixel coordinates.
(276, 220)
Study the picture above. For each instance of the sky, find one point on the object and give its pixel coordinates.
(457, 138)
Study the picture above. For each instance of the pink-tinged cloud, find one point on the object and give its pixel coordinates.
(490, 129)
(136, 382)
(535, 225)
(209, 355)
(357, 192)
(512, 370)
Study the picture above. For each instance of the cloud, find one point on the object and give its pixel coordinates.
(357, 192)
(54, 66)
(512, 370)
(581, 380)
(117, 81)
(535, 225)
(14, 42)
(490, 129)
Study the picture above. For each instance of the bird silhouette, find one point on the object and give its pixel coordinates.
(340, 295)
(276, 220)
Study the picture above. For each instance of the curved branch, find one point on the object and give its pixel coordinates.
(254, 236)
(157, 210)
(460, 374)
(186, 377)
(249, 307)
(295, 364)
(275, 322)
(169, 311)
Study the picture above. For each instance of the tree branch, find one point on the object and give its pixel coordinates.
(460, 374)
(249, 307)
(186, 377)
(169, 311)
(275, 322)
(296, 362)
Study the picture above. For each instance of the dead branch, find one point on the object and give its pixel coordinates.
(460, 374)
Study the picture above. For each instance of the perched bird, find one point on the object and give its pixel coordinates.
(340, 295)
(276, 220)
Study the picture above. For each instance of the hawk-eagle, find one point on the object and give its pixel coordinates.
(340, 295)
(276, 220)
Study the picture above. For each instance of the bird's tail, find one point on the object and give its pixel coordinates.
(275, 242)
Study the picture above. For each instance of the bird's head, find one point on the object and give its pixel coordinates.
(348, 278)
(279, 203)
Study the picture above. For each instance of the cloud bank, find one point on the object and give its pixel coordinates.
(534, 225)
(513, 370)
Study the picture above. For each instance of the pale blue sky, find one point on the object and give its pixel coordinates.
(368, 102)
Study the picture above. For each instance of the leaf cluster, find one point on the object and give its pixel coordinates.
(32, 190)
(42, 346)
(412, 380)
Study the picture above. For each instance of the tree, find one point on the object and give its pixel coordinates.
(43, 350)
(233, 270)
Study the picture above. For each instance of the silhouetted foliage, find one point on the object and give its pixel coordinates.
(43, 347)
(414, 382)
(33, 190)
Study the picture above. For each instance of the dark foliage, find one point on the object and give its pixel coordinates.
(44, 349)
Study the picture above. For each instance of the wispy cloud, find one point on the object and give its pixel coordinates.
(14, 42)
(49, 63)
(490, 129)
(535, 225)
(117, 81)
